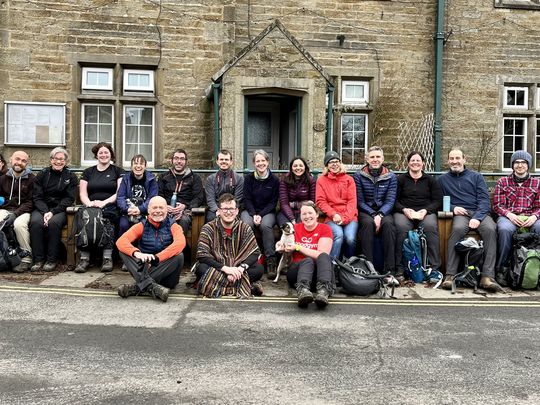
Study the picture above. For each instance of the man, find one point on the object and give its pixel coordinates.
(376, 193)
(470, 204)
(156, 263)
(182, 189)
(16, 186)
(224, 181)
(228, 245)
(516, 200)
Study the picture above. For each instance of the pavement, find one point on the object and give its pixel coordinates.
(92, 280)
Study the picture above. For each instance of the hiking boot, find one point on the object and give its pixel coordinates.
(49, 266)
(106, 265)
(128, 290)
(159, 292)
(271, 268)
(490, 285)
(82, 266)
(447, 283)
(321, 297)
(256, 289)
(22, 267)
(305, 297)
(124, 267)
(501, 279)
(36, 266)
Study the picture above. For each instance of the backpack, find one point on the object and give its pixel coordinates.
(414, 256)
(526, 269)
(472, 259)
(357, 276)
(9, 258)
(88, 227)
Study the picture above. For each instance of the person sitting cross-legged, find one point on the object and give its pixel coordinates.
(157, 261)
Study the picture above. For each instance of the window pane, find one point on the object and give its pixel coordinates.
(519, 143)
(346, 156)
(359, 123)
(131, 134)
(259, 129)
(359, 140)
(145, 135)
(105, 114)
(346, 140)
(508, 127)
(520, 97)
(131, 150)
(105, 133)
(358, 156)
(508, 143)
(507, 159)
(90, 113)
(510, 97)
(88, 150)
(146, 116)
(132, 116)
(90, 133)
(519, 127)
(146, 150)
(347, 122)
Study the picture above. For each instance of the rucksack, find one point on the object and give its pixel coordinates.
(88, 227)
(526, 269)
(472, 259)
(9, 257)
(415, 260)
(357, 276)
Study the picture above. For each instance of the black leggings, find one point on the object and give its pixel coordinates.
(311, 270)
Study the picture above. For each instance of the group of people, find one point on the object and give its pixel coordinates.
(147, 217)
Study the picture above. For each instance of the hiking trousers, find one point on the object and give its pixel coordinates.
(166, 273)
(46, 240)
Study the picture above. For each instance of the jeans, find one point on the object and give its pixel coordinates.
(341, 232)
(506, 229)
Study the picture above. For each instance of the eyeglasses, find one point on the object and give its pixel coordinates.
(179, 158)
(520, 162)
(61, 159)
(228, 210)
(333, 162)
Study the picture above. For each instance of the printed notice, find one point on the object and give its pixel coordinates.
(34, 123)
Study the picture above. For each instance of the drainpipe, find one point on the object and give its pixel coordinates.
(330, 118)
(217, 129)
(439, 44)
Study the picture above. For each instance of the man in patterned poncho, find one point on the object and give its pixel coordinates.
(227, 254)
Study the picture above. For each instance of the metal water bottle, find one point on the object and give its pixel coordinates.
(173, 200)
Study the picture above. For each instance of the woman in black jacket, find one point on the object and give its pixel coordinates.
(55, 188)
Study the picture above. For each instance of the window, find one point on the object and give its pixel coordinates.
(516, 97)
(97, 126)
(139, 80)
(514, 138)
(353, 138)
(537, 147)
(138, 133)
(97, 78)
(355, 92)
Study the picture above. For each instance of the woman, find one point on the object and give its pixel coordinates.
(419, 197)
(261, 190)
(55, 188)
(336, 198)
(311, 263)
(98, 188)
(135, 191)
(3, 165)
(296, 186)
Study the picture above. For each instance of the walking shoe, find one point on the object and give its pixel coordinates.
(49, 266)
(305, 297)
(36, 266)
(82, 266)
(271, 268)
(124, 267)
(488, 284)
(107, 265)
(22, 267)
(128, 290)
(321, 297)
(256, 289)
(159, 292)
(501, 279)
(447, 283)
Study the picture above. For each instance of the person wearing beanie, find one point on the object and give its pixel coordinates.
(516, 200)
(471, 206)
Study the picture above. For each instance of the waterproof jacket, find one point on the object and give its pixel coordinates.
(467, 189)
(189, 186)
(261, 196)
(336, 194)
(54, 190)
(422, 193)
(124, 192)
(376, 194)
(223, 182)
(295, 194)
(17, 192)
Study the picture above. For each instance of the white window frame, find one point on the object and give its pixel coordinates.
(354, 100)
(146, 89)
(87, 86)
(538, 98)
(83, 105)
(524, 135)
(354, 164)
(516, 88)
(537, 140)
(127, 159)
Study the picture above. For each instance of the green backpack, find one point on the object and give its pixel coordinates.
(526, 270)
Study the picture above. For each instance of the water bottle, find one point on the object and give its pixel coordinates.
(446, 203)
(2, 200)
(173, 200)
(131, 205)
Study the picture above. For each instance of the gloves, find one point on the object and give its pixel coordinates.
(155, 261)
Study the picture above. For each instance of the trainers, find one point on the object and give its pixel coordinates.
(447, 283)
(82, 266)
(305, 297)
(128, 290)
(107, 265)
(36, 266)
(49, 266)
(22, 267)
(488, 284)
(321, 297)
(271, 268)
(159, 292)
(256, 289)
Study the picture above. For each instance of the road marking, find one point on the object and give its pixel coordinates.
(288, 300)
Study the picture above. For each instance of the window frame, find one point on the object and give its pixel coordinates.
(126, 161)
(351, 100)
(352, 148)
(537, 142)
(142, 89)
(525, 136)
(83, 105)
(86, 86)
(516, 88)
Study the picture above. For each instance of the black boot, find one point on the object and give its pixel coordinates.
(128, 290)
(159, 292)
(305, 297)
(321, 297)
(271, 267)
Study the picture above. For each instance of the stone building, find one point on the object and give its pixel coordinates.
(291, 77)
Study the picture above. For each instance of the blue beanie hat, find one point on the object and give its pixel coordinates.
(521, 155)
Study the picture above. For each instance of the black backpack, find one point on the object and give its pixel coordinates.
(88, 227)
(357, 276)
(9, 257)
(471, 261)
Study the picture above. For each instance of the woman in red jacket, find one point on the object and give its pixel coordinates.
(336, 198)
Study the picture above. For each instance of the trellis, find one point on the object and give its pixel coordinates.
(417, 136)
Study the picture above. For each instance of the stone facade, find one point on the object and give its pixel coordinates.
(389, 44)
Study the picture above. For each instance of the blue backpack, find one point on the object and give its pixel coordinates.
(415, 259)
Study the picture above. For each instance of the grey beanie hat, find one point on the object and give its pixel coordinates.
(329, 156)
(521, 155)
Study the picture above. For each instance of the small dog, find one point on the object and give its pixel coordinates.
(287, 238)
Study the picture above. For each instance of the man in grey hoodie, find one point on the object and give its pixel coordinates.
(16, 187)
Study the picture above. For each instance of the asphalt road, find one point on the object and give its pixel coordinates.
(68, 346)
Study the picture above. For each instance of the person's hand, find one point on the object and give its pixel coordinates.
(460, 211)
(280, 246)
(422, 214)
(530, 221)
(257, 219)
(474, 223)
(408, 212)
(46, 217)
(337, 219)
(377, 219)
(133, 211)
(289, 247)
(515, 219)
(233, 273)
(144, 257)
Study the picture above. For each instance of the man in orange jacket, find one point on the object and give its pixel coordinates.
(156, 263)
